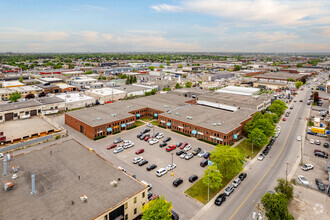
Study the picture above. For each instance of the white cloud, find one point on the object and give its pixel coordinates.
(286, 13)
(272, 37)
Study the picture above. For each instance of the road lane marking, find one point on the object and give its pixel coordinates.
(269, 167)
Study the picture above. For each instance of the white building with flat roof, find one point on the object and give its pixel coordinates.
(239, 90)
(81, 82)
(76, 100)
(106, 95)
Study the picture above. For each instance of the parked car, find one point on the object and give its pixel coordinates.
(311, 141)
(155, 135)
(201, 154)
(307, 166)
(207, 155)
(149, 195)
(160, 135)
(142, 162)
(179, 144)
(183, 155)
(174, 215)
(145, 130)
(118, 140)
(170, 148)
(261, 157)
(193, 178)
(184, 144)
(153, 197)
(220, 199)
(122, 169)
(147, 184)
(284, 119)
(189, 156)
(150, 125)
(187, 148)
(153, 141)
(112, 146)
(196, 151)
(236, 182)
(303, 180)
(242, 176)
(229, 190)
(167, 139)
(179, 152)
(137, 160)
(204, 163)
(118, 149)
(170, 167)
(147, 138)
(311, 133)
(128, 145)
(160, 172)
(163, 144)
(265, 152)
(143, 136)
(320, 185)
(139, 135)
(151, 167)
(139, 151)
(177, 182)
(326, 145)
(299, 138)
(321, 154)
(317, 142)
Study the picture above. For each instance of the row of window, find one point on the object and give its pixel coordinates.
(114, 124)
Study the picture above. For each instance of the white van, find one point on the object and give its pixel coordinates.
(147, 184)
(161, 172)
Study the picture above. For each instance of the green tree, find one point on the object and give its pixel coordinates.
(177, 86)
(167, 89)
(228, 160)
(14, 96)
(237, 67)
(298, 84)
(188, 84)
(180, 66)
(157, 209)
(89, 72)
(151, 68)
(161, 66)
(153, 91)
(168, 63)
(258, 137)
(299, 65)
(212, 177)
(128, 81)
(20, 79)
(265, 125)
(278, 107)
(290, 79)
(134, 79)
(184, 76)
(276, 206)
(272, 117)
(285, 187)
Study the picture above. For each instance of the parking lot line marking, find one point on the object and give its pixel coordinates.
(269, 167)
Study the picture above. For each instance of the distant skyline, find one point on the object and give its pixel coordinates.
(294, 26)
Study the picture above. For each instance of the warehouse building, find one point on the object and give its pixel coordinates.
(69, 182)
(115, 117)
(27, 109)
(239, 90)
(76, 100)
(281, 76)
(106, 95)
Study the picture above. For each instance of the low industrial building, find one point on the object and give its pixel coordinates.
(45, 80)
(81, 82)
(66, 88)
(282, 76)
(68, 181)
(217, 76)
(106, 95)
(49, 88)
(136, 89)
(33, 107)
(23, 90)
(272, 85)
(239, 90)
(115, 117)
(76, 100)
(9, 84)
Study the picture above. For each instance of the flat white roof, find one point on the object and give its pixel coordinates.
(63, 85)
(50, 79)
(83, 79)
(73, 72)
(11, 83)
(106, 91)
(239, 90)
(74, 97)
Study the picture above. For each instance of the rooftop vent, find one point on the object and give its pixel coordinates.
(214, 124)
(114, 183)
(113, 115)
(169, 112)
(189, 117)
(99, 119)
(83, 198)
(176, 113)
(219, 124)
(165, 106)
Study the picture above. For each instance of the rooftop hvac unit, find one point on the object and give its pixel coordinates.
(15, 168)
(176, 113)
(189, 117)
(214, 124)
(99, 119)
(169, 112)
(113, 183)
(113, 115)
(219, 123)
(165, 106)
(83, 198)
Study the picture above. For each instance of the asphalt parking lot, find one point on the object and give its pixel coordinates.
(163, 185)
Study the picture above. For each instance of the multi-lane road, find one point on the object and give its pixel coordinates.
(262, 175)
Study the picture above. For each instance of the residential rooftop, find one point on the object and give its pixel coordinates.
(64, 172)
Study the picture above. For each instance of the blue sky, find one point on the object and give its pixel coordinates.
(159, 26)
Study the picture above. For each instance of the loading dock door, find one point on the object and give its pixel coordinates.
(33, 112)
(9, 116)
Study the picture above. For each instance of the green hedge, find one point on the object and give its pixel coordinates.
(161, 126)
(179, 132)
(206, 141)
(134, 126)
(99, 137)
(116, 132)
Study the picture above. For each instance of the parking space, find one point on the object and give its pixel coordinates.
(163, 185)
